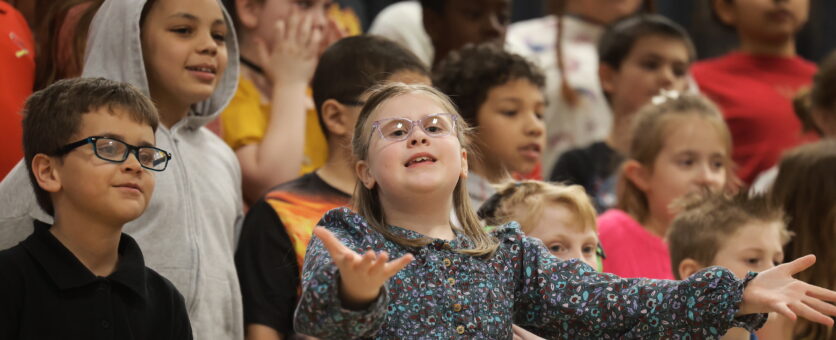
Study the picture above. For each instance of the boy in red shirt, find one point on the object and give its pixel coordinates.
(754, 86)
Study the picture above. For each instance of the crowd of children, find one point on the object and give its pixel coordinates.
(259, 169)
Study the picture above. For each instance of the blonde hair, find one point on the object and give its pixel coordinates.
(651, 127)
(806, 189)
(367, 201)
(503, 207)
(698, 232)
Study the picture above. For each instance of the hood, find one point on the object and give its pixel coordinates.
(114, 51)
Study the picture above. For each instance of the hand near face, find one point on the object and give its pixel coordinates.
(332, 34)
(361, 276)
(775, 290)
(295, 49)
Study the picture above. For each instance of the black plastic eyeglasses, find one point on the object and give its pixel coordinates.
(117, 151)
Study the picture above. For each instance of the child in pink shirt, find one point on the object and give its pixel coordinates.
(681, 146)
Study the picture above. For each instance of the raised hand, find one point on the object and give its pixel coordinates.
(361, 276)
(294, 52)
(775, 290)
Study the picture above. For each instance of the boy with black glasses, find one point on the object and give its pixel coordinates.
(89, 150)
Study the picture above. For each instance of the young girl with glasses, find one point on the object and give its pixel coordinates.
(459, 281)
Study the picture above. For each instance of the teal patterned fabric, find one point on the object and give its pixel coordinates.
(445, 294)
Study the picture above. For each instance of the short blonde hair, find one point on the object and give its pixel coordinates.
(367, 201)
(504, 206)
(699, 231)
(651, 127)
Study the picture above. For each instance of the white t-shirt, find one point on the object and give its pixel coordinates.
(567, 127)
(402, 22)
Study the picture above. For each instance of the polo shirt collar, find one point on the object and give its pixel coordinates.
(67, 272)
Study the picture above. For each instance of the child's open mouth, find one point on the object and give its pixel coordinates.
(418, 159)
(530, 151)
(203, 72)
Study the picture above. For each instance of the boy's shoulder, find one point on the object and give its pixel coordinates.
(161, 289)
(11, 262)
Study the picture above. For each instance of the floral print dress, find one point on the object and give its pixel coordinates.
(444, 294)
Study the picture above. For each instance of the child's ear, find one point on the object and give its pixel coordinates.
(333, 117)
(724, 11)
(248, 12)
(637, 174)
(464, 163)
(364, 173)
(688, 267)
(607, 75)
(46, 172)
(823, 121)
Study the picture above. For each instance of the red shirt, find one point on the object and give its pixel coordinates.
(755, 94)
(17, 76)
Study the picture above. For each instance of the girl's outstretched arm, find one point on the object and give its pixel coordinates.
(569, 299)
(343, 291)
(775, 290)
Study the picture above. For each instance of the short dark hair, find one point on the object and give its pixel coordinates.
(699, 231)
(53, 115)
(620, 37)
(467, 75)
(433, 5)
(355, 64)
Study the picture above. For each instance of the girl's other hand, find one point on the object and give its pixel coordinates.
(293, 56)
(776, 290)
(361, 276)
(522, 334)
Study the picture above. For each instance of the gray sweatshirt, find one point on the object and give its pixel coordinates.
(188, 232)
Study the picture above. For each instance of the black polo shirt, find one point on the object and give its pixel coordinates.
(47, 293)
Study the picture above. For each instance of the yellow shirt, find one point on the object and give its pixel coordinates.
(244, 121)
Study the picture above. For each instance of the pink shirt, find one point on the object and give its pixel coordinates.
(631, 250)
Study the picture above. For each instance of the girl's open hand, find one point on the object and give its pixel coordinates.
(775, 290)
(361, 276)
(294, 52)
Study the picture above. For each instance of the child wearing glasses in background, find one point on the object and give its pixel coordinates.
(89, 150)
(451, 280)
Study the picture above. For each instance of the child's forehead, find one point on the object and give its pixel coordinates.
(754, 234)
(410, 105)
(660, 44)
(203, 10)
(116, 122)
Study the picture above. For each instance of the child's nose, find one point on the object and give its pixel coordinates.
(534, 126)
(417, 136)
(208, 45)
(131, 163)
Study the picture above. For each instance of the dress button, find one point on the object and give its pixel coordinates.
(447, 262)
(457, 307)
(452, 281)
(105, 324)
(460, 329)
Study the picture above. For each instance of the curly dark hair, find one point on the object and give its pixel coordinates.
(468, 74)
